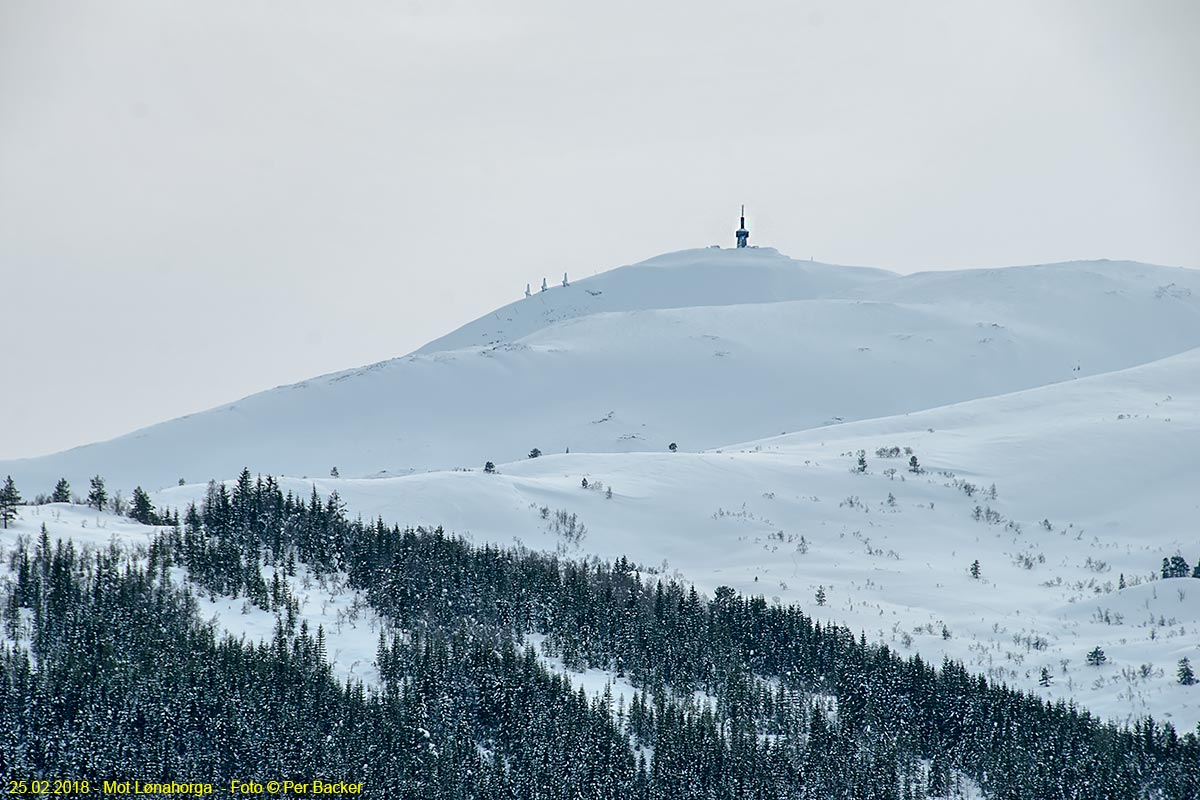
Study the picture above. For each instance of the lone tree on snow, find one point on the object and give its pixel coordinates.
(1185, 674)
(534, 453)
(914, 465)
(142, 509)
(820, 596)
(10, 498)
(1046, 679)
(489, 468)
(862, 461)
(62, 492)
(98, 496)
(1096, 657)
(672, 447)
(975, 569)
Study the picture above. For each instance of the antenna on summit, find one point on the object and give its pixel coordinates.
(743, 235)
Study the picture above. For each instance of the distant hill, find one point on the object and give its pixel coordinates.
(701, 348)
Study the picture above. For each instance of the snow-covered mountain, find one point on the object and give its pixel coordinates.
(1072, 389)
(702, 348)
(1094, 484)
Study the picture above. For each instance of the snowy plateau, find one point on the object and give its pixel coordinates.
(1054, 411)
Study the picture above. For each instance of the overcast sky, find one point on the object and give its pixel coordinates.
(203, 199)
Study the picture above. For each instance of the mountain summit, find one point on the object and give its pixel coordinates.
(699, 347)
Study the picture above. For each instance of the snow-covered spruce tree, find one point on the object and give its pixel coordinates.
(489, 468)
(141, 509)
(1096, 656)
(914, 465)
(10, 498)
(98, 495)
(820, 596)
(62, 492)
(975, 570)
(861, 466)
(1175, 567)
(1184, 673)
(535, 453)
(1046, 678)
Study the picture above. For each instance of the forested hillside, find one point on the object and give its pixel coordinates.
(108, 671)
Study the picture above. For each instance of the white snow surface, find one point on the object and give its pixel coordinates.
(1110, 462)
(701, 347)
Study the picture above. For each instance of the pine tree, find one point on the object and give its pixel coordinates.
(914, 465)
(672, 447)
(489, 468)
(1097, 657)
(10, 498)
(1121, 581)
(1046, 678)
(1185, 674)
(62, 492)
(98, 496)
(583, 483)
(975, 570)
(1178, 567)
(862, 462)
(333, 473)
(142, 509)
(608, 493)
(820, 597)
(534, 453)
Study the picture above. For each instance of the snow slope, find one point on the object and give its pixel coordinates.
(351, 627)
(701, 348)
(1110, 463)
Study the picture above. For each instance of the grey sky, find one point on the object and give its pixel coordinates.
(200, 200)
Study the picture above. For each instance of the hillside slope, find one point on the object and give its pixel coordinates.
(699, 348)
(1095, 482)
